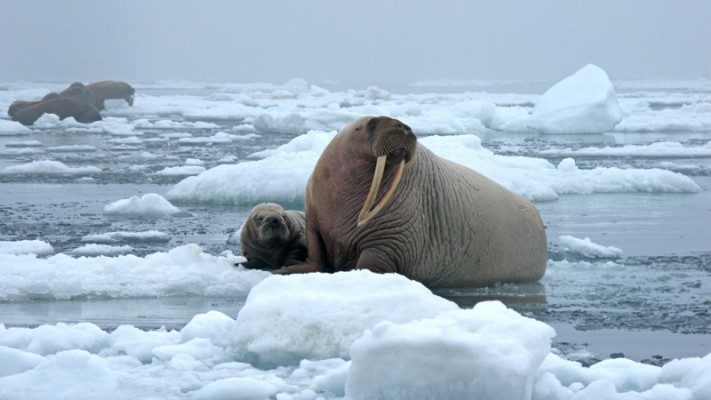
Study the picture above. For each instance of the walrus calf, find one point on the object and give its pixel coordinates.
(438, 223)
(272, 237)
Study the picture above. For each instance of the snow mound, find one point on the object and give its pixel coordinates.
(489, 350)
(150, 204)
(582, 103)
(587, 248)
(314, 316)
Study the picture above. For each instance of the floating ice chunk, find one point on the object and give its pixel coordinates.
(111, 237)
(150, 204)
(315, 316)
(280, 177)
(184, 170)
(130, 140)
(694, 117)
(182, 271)
(584, 102)
(283, 172)
(570, 179)
(47, 167)
(194, 161)
(658, 149)
(218, 138)
(51, 339)
(11, 128)
(37, 247)
(587, 248)
(489, 352)
(236, 389)
(94, 249)
(118, 127)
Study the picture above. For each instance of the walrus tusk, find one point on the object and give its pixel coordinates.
(366, 214)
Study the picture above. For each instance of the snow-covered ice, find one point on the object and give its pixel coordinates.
(184, 270)
(288, 167)
(274, 329)
(489, 351)
(438, 351)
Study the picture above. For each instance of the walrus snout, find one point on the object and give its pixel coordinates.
(273, 220)
(392, 138)
(273, 227)
(393, 144)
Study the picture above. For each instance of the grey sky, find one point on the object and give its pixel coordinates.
(355, 42)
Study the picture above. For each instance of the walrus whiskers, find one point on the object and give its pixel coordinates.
(366, 214)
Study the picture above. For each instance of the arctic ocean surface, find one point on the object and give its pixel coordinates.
(117, 247)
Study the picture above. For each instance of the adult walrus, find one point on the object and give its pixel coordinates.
(272, 237)
(438, 223)
(104, 90)
(61, 106)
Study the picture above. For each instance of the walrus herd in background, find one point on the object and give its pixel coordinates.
(438, 223)
(83, 102)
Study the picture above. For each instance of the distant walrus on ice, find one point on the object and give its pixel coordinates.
(272, 237)
(104, 90)
(438, 223)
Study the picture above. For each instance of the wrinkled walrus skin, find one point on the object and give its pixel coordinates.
(444, 225)
(272, 237)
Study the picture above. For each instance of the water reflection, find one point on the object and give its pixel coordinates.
(522, 297)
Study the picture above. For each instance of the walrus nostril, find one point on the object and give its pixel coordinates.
(273, 221)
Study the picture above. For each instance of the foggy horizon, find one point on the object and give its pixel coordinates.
(351, 43)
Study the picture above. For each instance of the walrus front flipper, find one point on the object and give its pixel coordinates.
(255, 263)
(296, 256)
